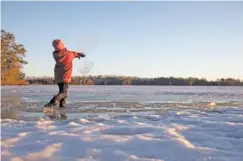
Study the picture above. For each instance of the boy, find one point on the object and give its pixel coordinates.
(63, 71)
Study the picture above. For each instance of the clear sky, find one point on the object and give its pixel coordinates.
(146, 39)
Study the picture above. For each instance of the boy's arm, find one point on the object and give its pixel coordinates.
(53, 55)
(76, 54)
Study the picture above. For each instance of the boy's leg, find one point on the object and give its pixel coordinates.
(60, 87)
(62, 101)
(63, 87)
(53, 101)
(63, 92)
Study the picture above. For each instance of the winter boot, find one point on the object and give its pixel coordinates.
(62, 103)
(53, 102)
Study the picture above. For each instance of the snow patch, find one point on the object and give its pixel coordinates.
(84, 121)
(176, 136)
(73, 124)
(45, 154)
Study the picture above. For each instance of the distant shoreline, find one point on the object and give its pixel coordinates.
(126, 85)
(136, 81)
(130, 81)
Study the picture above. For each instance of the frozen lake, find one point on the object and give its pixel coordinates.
(123, 123)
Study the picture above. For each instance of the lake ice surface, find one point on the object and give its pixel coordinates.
(123, 123)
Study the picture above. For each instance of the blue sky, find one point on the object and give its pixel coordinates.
(146, 39)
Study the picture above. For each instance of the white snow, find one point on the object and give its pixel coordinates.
(181, 124)
(186, 135)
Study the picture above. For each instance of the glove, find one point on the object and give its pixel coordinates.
(81, 55)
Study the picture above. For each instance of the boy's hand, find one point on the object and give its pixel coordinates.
(81, 55)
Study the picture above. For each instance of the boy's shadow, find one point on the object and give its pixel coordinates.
(56, 114)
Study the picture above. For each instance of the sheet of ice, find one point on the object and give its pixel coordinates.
(128, 93)
(157, 123)
(173, 136)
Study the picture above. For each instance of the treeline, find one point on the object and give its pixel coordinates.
(12, 60)
(119, 80)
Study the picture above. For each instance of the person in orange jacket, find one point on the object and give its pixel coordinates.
(63, 71)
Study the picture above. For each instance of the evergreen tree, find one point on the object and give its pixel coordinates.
(12, 60)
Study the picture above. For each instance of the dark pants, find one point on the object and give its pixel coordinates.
(61, 96)
(63, 88)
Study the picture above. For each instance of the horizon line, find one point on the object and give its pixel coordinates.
(113, 75)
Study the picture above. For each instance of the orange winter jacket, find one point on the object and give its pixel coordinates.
(64, 66)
